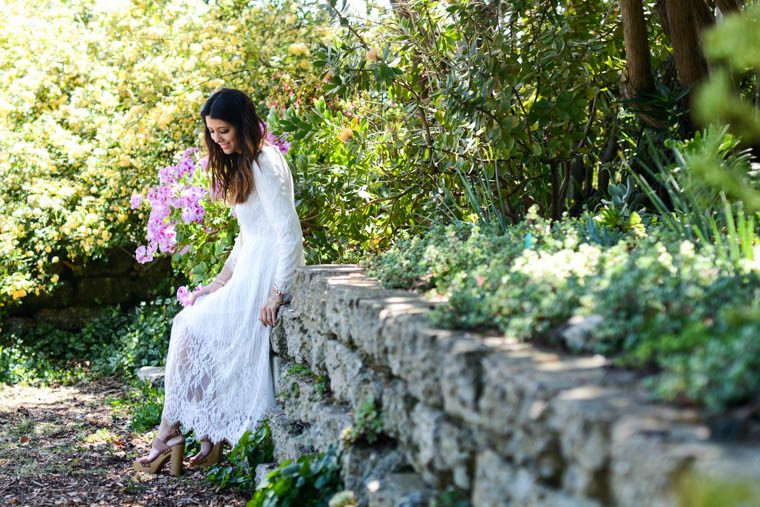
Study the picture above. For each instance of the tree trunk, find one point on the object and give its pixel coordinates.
(662, 13)
(683, 27)
(638, 72)
(703, 15)
(727, 6)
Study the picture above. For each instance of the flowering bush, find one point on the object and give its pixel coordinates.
(97, 95)
(186, 221)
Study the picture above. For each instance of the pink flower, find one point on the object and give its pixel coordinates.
(183, 295)
(135, 201)
(193, 214)
(167, 238)
(168, 175)
(145, 253)
(479, 281)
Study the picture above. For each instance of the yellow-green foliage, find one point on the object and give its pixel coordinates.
(98, 95)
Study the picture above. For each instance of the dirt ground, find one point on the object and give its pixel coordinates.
(68, 445)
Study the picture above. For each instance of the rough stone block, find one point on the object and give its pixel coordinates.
(499, 483)
(399, 490)
(519, 381)
(279, 335)
(343, 366)
(425, 450)
(362, 465)
(461, 379)
(328, 425)
(312, 283)
(153, 374)
(397, 406)
(650, 450)
(289, 438)
(457, 453)
(261, 471)
(416, 353)
(341, 302)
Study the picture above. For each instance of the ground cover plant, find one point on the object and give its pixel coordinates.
(310, 480)
(239, 469)
(117, 342)
(661, 302)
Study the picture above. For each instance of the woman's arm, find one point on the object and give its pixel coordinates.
(274, 184)
(224, 275)
(232, 258)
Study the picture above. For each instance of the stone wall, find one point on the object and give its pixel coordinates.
(506, 423)
(85, 288)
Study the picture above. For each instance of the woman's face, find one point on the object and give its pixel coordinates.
(224, 134)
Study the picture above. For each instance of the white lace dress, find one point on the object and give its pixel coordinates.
(218, 379)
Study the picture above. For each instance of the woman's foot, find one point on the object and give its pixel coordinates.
(210, 454)
(163, 449)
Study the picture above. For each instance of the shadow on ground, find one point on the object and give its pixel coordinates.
(68, 445)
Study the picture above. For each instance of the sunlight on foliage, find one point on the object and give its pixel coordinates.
(96, 99)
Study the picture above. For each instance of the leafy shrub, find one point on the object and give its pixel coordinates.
(239, 471)
(310, 481)
(143, 403)
(665, 303)
(115, 342)
(698, 208)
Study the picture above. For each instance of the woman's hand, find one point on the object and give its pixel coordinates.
(208, 289)
(268, 313)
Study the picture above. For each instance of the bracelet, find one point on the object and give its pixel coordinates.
(219, 281)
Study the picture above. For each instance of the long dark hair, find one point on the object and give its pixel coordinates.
(231, 175)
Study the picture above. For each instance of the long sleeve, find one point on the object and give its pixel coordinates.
(232, 258)
(274, 184)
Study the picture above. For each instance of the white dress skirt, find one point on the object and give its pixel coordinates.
(218, 380)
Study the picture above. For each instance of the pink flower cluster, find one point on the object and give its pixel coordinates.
(174, 194)
(183, 295)
(279, 141)
(171, 195)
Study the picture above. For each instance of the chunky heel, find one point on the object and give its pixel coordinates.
(174, 453)
(178, 453)
(213, 457)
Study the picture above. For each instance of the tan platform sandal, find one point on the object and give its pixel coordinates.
(213, 457)
(174, 453)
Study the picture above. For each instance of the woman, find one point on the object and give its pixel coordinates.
(218, 380)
